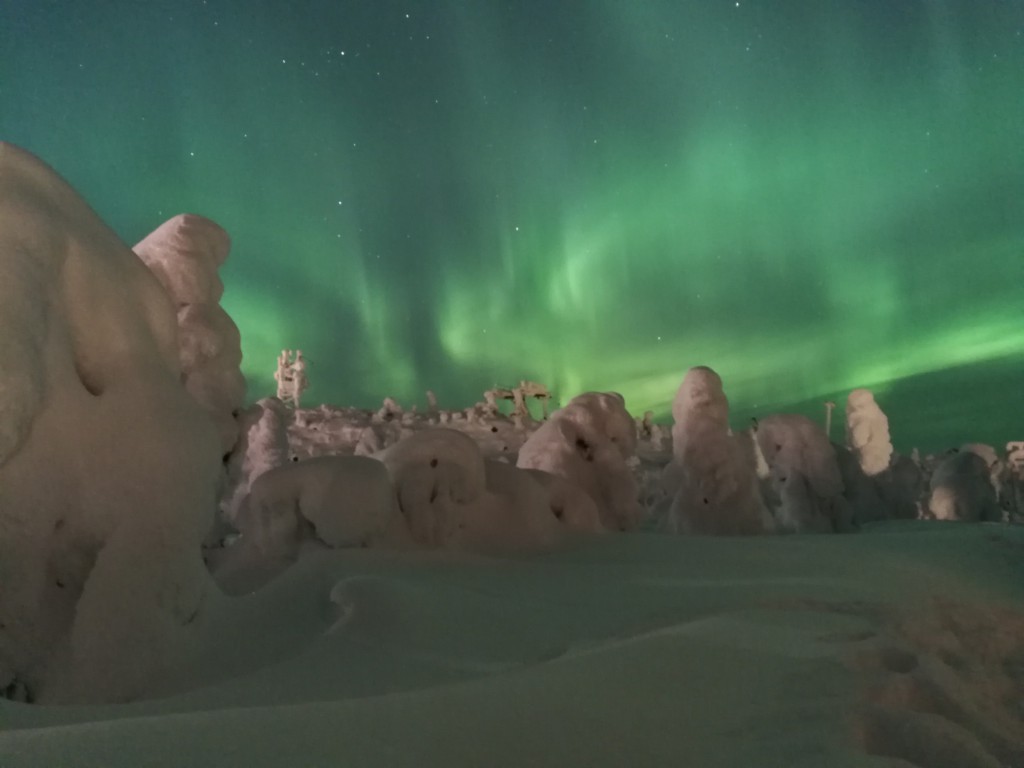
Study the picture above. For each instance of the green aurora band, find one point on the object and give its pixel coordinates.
(807, 195)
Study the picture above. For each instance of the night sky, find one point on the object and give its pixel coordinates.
(807, 195)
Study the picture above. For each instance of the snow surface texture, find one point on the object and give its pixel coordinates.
(867, 432)
(108, 469)
(185, 253)
(590, 443)
(712, 478)
(894, 648)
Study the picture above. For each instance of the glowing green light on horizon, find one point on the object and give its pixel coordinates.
(596, 199)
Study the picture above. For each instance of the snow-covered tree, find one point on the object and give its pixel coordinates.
(805, 478)
(185, 254)
(962, 489)
(712, 477)
(262, 446)
(590, 442)
(867, 432)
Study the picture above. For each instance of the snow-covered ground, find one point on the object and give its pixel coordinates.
(637, 649)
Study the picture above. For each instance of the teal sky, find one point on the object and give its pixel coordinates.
(807, 195)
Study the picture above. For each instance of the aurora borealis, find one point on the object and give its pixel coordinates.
(807, 195)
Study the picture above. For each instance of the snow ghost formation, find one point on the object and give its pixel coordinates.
(712, 477)
(434, 473)
(867, 432)
(962, 489)
(262, 445)
(1012, 481)
(291, 377)
(450, 497)
(590, 442)
(518, 512)
(804, 475)
(185, 253)
(903, 492)
(344, 501)
(108, 468)
(996, 466)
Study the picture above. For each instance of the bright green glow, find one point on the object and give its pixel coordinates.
(594, 195)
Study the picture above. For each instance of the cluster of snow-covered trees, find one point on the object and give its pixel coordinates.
(434, 488)
(437, 488)
(783, 474)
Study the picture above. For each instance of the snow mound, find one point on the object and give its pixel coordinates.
(515, 514)
(450, 497)
(109, 469)
(347, 500)
(435, 471)
(569, 503)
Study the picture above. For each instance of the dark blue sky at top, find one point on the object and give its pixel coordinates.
(807, 195)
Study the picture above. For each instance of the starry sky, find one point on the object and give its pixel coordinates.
(807, 195)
